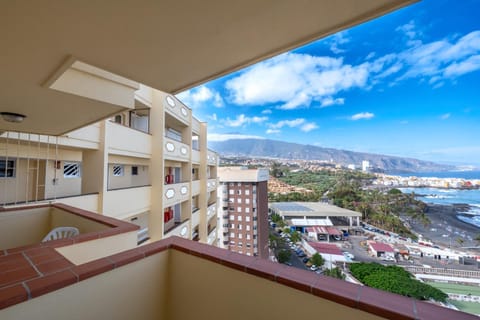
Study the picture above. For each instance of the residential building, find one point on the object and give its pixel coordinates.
(50, 54)
(149, 166)
(243, 194)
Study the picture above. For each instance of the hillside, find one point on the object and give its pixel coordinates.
(287, 150)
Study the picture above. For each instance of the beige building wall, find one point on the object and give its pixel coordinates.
(156, 172)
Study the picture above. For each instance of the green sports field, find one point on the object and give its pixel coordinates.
(456, 288)
(469, 307)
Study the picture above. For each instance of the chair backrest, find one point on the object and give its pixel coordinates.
(61, 233)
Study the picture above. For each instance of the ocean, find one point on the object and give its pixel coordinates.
(450, 196)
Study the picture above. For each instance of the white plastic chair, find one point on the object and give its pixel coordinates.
(61, 233)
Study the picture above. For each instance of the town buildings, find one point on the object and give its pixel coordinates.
(67, 65)
(243, 196)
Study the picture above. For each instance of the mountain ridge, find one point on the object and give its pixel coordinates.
(295, 151)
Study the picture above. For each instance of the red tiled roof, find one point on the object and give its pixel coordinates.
(326, 248)
(324, 230)
(381, 247)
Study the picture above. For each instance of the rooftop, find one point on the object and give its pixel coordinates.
(312, 209)
(242, 174)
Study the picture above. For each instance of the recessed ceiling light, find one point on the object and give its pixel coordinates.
(12, 117)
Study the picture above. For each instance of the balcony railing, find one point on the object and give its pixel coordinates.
(128, 142)
(126, 202)
(196, 156)
(179, 230)
(175, 150)
(195, 188)
(211, 185)
(195, 218)
(212, 159)
(175, 193)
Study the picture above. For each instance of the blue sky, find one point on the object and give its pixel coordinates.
(405, 84)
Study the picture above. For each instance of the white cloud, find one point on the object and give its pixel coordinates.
(228, 136)
(272, 131)
(201, 96)
(267, 111)
(241, 120)
(288, 123)
(411, 33)
(213, 117)
(362, 115)
(300, 122)
(445, 116)
(370, 55)
(329, 101)
(295, 80)
(307, 127)
(337, 40)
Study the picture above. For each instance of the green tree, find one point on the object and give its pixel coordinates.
(317, 259)
(395, 279)
(334, 273)
(283, 255)
(295, 237)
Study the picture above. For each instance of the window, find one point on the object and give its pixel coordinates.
(239, 200)
(7, 168)
(118, 119)
(248, 227)
(248, 236)
(239, 218)
(134, 171)
(247, 210)
(239, 184)
(239, 191)
(247, 201)
(232, 217)
(247, 218)
(71, 170)
(232, 234)
(247, 192)
(239, 227)
(118, 170)
(240, 236)
(230, 191)
(239, 209)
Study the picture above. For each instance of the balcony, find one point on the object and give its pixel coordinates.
(180, 230)
(195, 188)
(196, 156)
(128, 142)
(23, 229)
(175, 150)
(178, 110)
(195, 126)
(211, 185)
(211, 210)
(122, 203)
(195, 218)
(162, 291)
(212, 158)
(175, 193)
(212, 236)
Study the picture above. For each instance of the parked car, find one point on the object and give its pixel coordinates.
(305, 260)
(314, 268)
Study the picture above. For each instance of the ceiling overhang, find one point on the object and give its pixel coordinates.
(171, 45)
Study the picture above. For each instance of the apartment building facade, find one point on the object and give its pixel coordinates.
(148, 165)
(243, 196)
